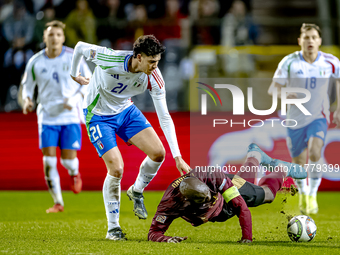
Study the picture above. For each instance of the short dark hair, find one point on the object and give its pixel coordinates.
(306, 27)
(55, 23)
(147, 44)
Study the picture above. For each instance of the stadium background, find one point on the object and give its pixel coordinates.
(197, 35)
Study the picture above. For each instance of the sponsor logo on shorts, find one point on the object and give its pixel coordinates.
(161, 218)
(100, 144)
(92, 54)
(147, 122)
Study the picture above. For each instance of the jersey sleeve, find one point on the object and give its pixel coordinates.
(281, 74)
(164, 216)
(106, 58)
(232, 196)
(29, 80)
(86, 72)
(157, 93)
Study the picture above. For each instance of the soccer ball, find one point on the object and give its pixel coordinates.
(301, 228)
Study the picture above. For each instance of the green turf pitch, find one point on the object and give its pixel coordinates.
(25, 228)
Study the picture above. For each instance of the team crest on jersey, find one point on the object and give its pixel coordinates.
(161, 218)
(44, 70)
(100, 144)
(92, 53)
(66, 67)
(322, 72)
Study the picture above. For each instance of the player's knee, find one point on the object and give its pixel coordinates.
(158, 155)
(314, 155)
(116, 171)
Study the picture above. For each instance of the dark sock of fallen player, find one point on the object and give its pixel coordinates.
(273, 181)
(249, 169)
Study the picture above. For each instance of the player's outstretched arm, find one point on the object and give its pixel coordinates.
(244, 217)
(232, 196)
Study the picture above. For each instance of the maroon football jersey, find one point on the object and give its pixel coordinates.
(173, 205)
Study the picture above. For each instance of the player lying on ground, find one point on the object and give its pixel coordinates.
(108, 110)
(199, 197)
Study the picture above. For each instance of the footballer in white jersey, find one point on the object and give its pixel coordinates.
(313, 70)
(59, 113)
(109, 111)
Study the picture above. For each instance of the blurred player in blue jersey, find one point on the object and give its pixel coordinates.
(313, 70)
(59, 115)
(108, 110)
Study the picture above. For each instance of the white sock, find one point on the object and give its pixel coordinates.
(260, 174)
(314, 184)
(315, 174)
(111, 195)
(302, 186)
(72, 165)
(52, 179)
(147, 171)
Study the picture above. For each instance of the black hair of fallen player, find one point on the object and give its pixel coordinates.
(149, 45)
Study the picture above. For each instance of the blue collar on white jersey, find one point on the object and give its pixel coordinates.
(126, 61)
(61, 53)
(317, 58)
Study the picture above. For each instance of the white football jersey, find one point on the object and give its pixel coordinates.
(52, 76)
(294, 71)
(112, 85)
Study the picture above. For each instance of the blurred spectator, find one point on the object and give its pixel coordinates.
(111, 28)
(170, 25)
(6, 9)
(40, 5)
(205, 22)
(45, 15)
(238, 27)
(80, 25)
(18, 30)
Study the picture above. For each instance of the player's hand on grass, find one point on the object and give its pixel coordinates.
(81, 79)
(177, 239)
(244, 241)
(336, 118)
(182, 165)
(28, 106)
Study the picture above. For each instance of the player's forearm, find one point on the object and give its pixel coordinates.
(157, 236)
(338, 93)
(276, 86)
(167, 125)
(244, 218)
(79, 52)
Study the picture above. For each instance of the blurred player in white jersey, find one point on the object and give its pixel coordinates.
(313, 70)
(59, 109)
(108, 110)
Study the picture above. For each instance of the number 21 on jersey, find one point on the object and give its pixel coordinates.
(94, 130)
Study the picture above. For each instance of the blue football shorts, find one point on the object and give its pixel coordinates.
(297, 140)
(102, 130)
(63, 136)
